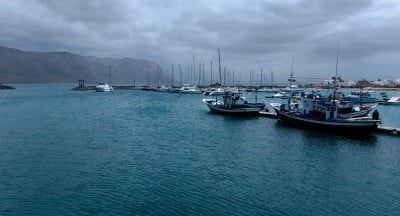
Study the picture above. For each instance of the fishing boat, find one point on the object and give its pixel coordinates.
(233, 104)
(324, 117)
(323, 114)
(355, 111)
(361, 97)
(103, 87)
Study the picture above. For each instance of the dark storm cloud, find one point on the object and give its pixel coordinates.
(251, 33)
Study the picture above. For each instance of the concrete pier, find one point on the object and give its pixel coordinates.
(380, 129)
(268, 114)
(2, 86)
(388, 130)
(82, 87)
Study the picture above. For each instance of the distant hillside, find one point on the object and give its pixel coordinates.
(61, 67)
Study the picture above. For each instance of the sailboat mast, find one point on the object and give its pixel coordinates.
(172, 75)
(272, 79)
(211, 74)
(199, 73)
(109, 74)
(180, 75)
(233, 77)
(204, 75)
(291, 73)
(224, 76)
(219, 67)
(336, 76)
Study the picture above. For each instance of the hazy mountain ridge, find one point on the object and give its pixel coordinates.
(18, 66)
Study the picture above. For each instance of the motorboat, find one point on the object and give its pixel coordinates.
(103, 87)
(188, 89)
(268, 90)
(283, 95)
(162, 88)
(148, 88)
(393, 101)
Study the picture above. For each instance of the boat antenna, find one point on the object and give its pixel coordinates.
(291, 80)
(336, 75)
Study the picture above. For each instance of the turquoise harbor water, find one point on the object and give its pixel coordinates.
(147, 153)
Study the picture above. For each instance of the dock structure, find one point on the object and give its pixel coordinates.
(82, 87)
(2, 86)
(380, 129)
(267, 114)
(388, 130)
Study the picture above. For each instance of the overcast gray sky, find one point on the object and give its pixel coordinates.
(250, 33)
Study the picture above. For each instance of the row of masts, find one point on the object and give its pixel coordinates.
(196, 74)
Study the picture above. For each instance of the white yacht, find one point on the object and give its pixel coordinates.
(393, 101)
(103, 87)
(188, 89)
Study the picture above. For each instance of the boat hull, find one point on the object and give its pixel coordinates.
(191, 92)
(243, 112)
(103, 89)
(346, 126)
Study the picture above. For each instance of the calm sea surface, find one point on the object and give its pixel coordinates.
(147, 153)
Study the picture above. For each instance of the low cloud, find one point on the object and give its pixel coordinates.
(251, 34)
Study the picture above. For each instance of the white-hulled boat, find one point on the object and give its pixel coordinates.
(188, 89)
(162, 88)
(268, 90)
(393, 101)
(283, 95)
(217, 92)
(103, 87)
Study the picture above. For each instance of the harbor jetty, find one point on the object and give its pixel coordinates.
(82, 87)
(268, 114)
(2, 86)
(388, 130)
